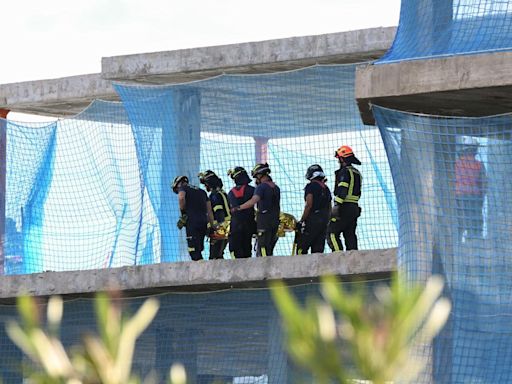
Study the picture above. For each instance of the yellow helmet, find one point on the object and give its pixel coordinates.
(260, 169)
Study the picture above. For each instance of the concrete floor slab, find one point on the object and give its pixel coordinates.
(202, 276)
(255, 57)
(468, 85)
(68, 96)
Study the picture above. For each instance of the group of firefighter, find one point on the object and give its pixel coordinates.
(234, 218)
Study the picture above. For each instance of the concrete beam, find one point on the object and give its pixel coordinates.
(469, 85)
(255, 57)
(70, 95)
(201, 276)
(56, 97)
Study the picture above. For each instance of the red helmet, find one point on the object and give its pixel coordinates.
(344, 151)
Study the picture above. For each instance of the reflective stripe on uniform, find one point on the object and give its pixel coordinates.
(232, 254)
(334, 242)
(191, 249)
(263, 252)
(226, 205)
(350, 197)
(217, 207)
(351, 186)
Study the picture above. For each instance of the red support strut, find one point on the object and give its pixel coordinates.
(261, 149)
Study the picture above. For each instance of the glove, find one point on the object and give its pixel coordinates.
(300, 226)
(182, 221)
(212, 228)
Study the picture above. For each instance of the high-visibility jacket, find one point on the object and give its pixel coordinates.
(469, 176)
(347, 188)
(220, 205)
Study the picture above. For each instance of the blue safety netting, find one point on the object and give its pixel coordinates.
(434, 28)
(231, 336)
(93, 191)
(452, 178)
(70, 192)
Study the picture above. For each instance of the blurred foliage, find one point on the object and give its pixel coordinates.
(339, 338)
(104, 358)
(346, 337)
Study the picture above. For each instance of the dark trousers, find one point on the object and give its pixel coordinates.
(195, 240)
(266, 232)
(469, 215)
(240, 242)
(346, 223)
(313, 235)
(217, 248)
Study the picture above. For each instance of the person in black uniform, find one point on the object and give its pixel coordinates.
(267, 196)
(221, 212)
(312, 226)
(196, 212)
(243, 223)
(347, 191)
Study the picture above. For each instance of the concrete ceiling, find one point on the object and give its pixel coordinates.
(70, 95)
(468, 85)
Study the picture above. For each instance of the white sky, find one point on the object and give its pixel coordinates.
(55, 38)
(46, 39)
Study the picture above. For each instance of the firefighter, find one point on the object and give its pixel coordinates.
(267, 196)
(221, 211)
(311, 228)
(346, 210)
(243, 223)
(196, 212)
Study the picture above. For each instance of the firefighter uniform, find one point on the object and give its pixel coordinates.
(220, 207)
(196, 219)
(267, 197)
(267, 217)
(243, 224)
(312, 231)
(346, 210)
(221, 211)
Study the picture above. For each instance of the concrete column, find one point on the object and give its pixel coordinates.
(176, 335)
(427, 166)
(188, 119)
(417, 179)
(261, 149)
(181, 148)
(499, 189)
(11, 363)
(416, 210)
(277, 363)
(443, 255)
(3, 171)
